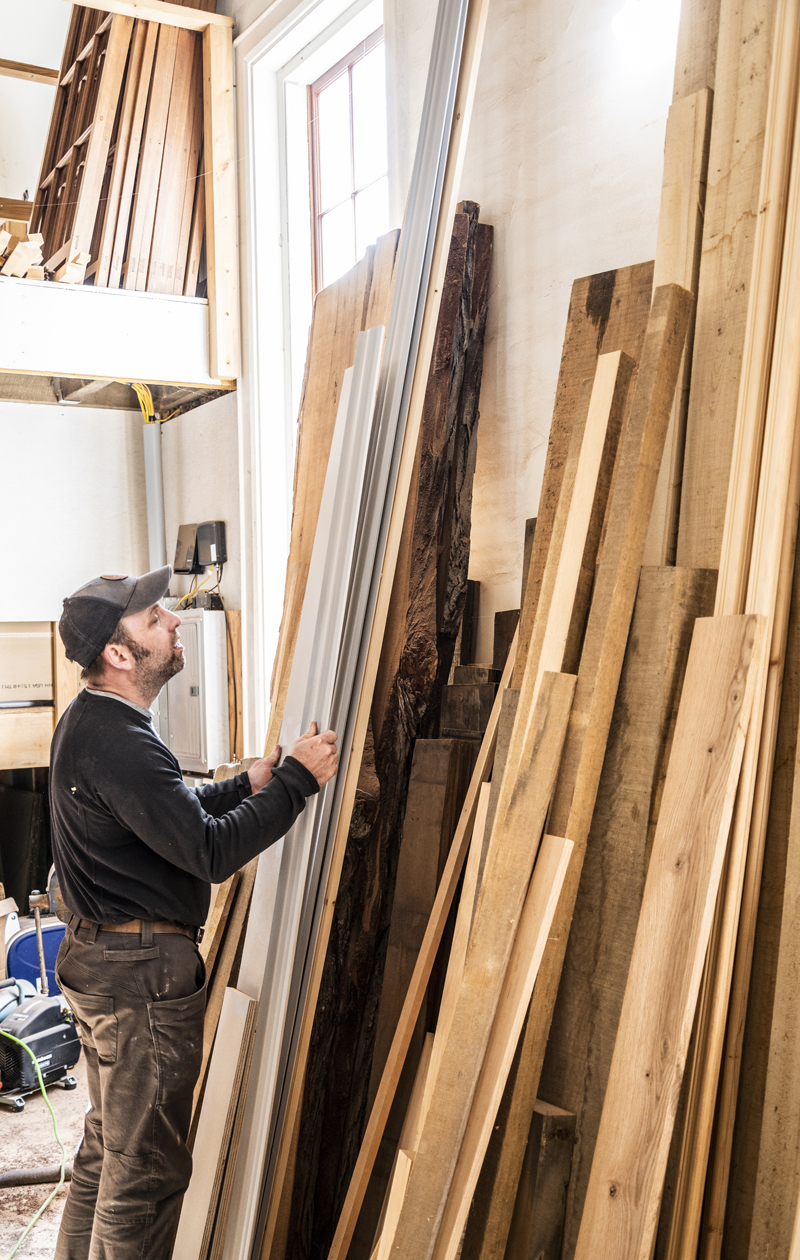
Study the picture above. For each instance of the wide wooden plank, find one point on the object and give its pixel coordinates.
(538, 1225)
(120, 241)
(534, 925)
(598, 678)
(500, 901)
(735, 211)
(175, 164)
(151, 154)
(440, 774)
(25, 736)
(597, 960)
(621, 1210)
(607, 312)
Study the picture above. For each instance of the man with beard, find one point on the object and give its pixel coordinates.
(136, 852)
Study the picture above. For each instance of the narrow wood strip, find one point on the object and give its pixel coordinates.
(534, 925)
(217, 922)
(500, 901)
(102, 125)
(225, 961)
(194, 178)
(20, 70)
(680, 235)
(621, 1211)
(222, 267)
(216, 1124)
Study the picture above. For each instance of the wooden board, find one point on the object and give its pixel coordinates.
(621, 1210)
(534, 925)
(680, 230)
(25, 736)
(696, 54)
(726, 280)
(439, 780)
(598, 677)
(34, 74)
(217, 922)
(607, 312)
(219, 149)
(233, 618)
(225, 960)
(537, 1227)
(500, 901)
(592, 988)
(225, 1073)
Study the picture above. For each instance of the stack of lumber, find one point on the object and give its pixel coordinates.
(120, 200)
(20, 253)
(557, 925)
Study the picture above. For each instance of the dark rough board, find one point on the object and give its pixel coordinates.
(606, 312)
(537, 1228)
(606, 914)
(427, 607)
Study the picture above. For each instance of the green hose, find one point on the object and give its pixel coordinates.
(50, 1197)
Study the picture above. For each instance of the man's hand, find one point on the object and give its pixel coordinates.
(317, 753)
(260, 772)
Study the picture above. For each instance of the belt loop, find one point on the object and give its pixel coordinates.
(93, 930)
(73, 922)
(147, 934)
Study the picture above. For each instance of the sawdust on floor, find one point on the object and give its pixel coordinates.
(27, 1141)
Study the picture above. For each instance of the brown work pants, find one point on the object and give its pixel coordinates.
(138, 1001)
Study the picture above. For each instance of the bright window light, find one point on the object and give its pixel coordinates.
(647, 30)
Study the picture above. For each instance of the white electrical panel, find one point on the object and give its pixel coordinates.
(197, 717)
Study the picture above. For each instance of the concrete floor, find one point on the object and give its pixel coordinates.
(27, 1141)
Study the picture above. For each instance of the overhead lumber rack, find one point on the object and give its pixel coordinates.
(89, 117)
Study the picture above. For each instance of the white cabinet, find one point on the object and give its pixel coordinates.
(197, 719)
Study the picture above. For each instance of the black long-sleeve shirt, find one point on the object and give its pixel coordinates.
(130, 839)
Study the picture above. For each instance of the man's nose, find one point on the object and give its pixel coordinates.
(175, 622)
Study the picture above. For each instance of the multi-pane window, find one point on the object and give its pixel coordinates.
(349, 181)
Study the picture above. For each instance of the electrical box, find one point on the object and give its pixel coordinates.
(26, 663)
(186, 551)
(211, 543)
(197, 720)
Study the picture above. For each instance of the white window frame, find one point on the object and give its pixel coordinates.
(274, 61)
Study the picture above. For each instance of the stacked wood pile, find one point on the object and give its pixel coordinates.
(120, 201)
(562, 1021)
(20, 253)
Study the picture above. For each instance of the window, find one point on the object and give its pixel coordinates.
(349, 164)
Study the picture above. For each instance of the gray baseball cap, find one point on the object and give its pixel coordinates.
(91, 614)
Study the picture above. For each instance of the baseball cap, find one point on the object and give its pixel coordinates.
(91, 614)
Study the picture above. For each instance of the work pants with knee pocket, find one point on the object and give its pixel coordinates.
(139, 1002)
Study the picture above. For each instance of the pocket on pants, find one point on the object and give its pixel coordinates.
(177, 1028)
(96, 1021)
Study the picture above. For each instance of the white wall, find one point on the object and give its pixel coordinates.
(72, 503)
(32, 32)
(200, 460)
(565, 157)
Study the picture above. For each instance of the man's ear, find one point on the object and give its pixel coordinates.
(117, 656)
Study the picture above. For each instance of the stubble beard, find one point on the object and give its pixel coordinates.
(152, 672)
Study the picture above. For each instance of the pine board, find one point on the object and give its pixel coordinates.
(608, 904)
(500, 900)
(621, 1210)
(607, 312)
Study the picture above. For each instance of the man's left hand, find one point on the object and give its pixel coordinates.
(260, 772)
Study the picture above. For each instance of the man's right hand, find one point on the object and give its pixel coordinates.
(317, 753)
